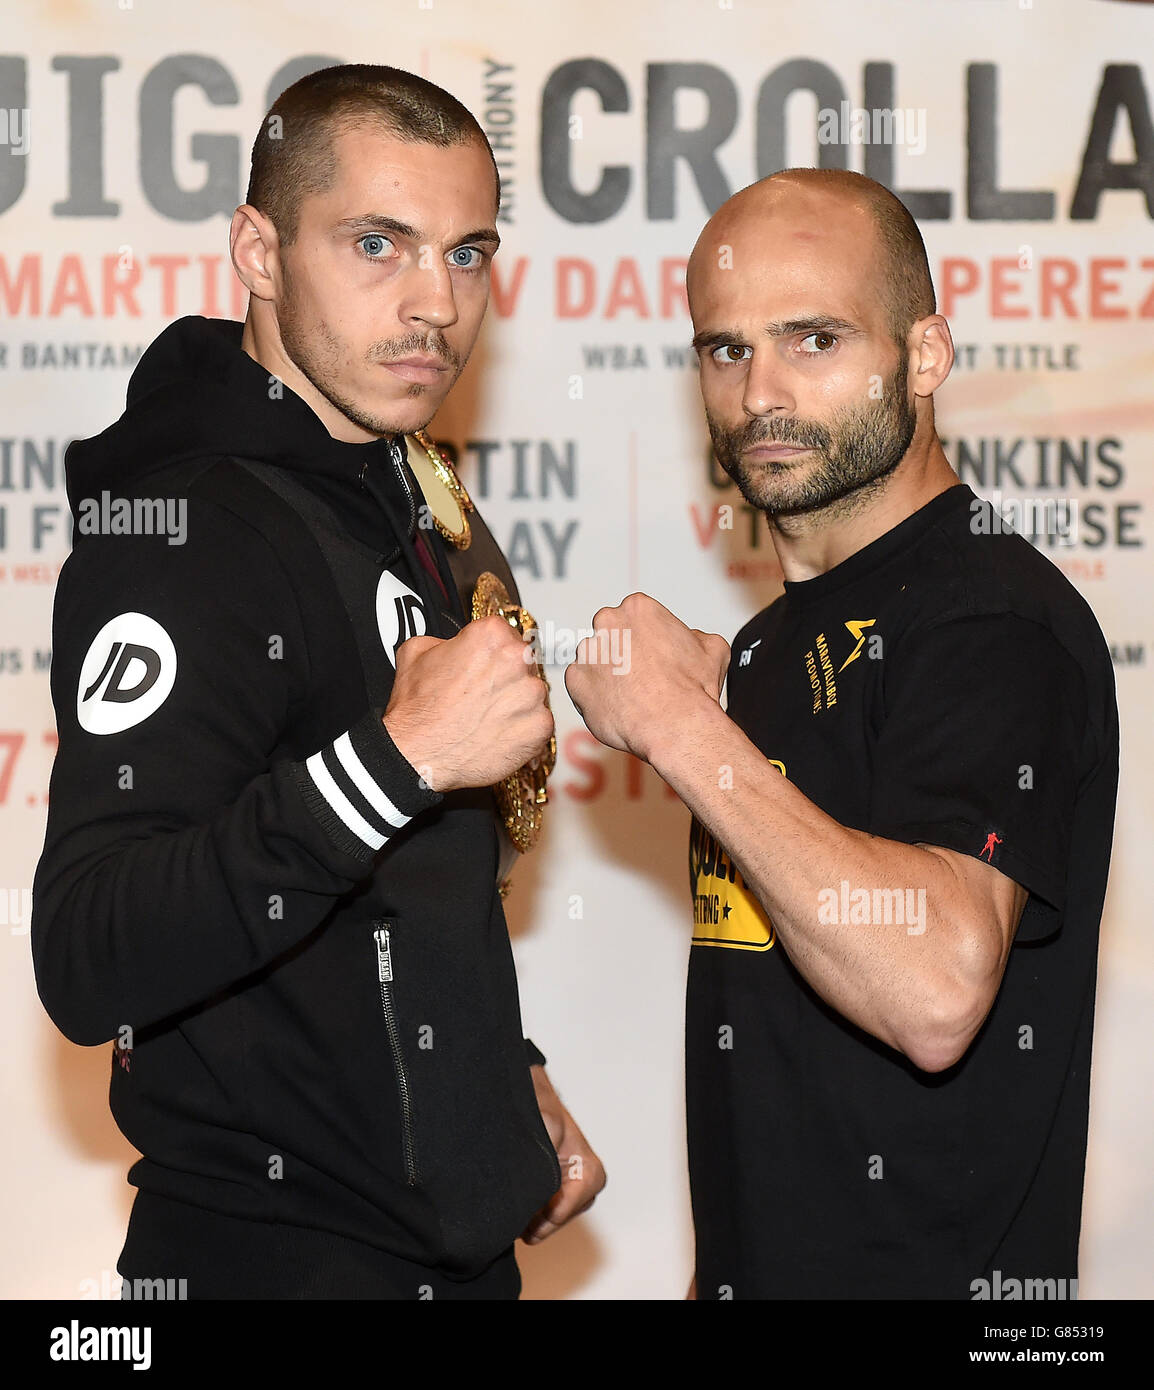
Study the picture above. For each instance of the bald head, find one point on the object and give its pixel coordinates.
(805, 290)
(858, 219)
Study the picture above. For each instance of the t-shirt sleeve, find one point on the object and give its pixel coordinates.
(980, 748)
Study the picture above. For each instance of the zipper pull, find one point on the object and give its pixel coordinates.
(384, 956)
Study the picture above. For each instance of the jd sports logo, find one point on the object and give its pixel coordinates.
(400, 614)
(127, 675)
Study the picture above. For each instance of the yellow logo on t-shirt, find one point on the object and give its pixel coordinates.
(725, 912)
(819, 663)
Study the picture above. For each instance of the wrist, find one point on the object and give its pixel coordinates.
(679, 740)
(408, 744)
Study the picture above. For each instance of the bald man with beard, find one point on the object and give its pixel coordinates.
(902, 817)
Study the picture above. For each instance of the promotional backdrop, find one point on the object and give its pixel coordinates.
(1020, 136)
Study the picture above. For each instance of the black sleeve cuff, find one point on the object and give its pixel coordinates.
(361, 788)
(534, 1053)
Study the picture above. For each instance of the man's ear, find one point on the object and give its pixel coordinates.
(255, 250)
(932, 350)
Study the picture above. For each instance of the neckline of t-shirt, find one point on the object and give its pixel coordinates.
(881, 550)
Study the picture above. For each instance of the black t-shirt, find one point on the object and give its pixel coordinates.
(942, 685)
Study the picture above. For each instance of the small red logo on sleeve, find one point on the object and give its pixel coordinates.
(991, 841)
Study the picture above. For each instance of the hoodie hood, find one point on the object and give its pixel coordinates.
(196, 393)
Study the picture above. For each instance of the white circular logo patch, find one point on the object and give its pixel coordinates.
(127, 675)
(400, 613)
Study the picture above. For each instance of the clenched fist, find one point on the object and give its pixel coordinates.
(468, 710)
(643, 675)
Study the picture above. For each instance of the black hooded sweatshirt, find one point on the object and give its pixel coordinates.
(297, 948)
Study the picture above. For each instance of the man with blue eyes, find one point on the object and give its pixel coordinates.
(272, 868)
(901, 819)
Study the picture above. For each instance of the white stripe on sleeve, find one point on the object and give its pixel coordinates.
(340, 803)
(365, 784)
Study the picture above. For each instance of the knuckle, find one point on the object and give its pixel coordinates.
(490, 630)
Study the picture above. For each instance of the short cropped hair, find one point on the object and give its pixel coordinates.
(293, 157)
(905, 271)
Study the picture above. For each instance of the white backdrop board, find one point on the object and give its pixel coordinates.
(1021, 136)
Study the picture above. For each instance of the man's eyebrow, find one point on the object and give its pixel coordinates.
(488, 234)
(717, 338)
(780, 328)
(372, 222)
(815, 323)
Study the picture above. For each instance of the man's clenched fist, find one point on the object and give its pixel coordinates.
(660, 674)
(468, 710)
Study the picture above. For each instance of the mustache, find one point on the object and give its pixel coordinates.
(431, 343)
(798, 434)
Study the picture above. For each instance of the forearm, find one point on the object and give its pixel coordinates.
(179, 856)
(910, 982)
(134, 920)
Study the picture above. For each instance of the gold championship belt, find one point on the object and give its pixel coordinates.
(521, 797)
